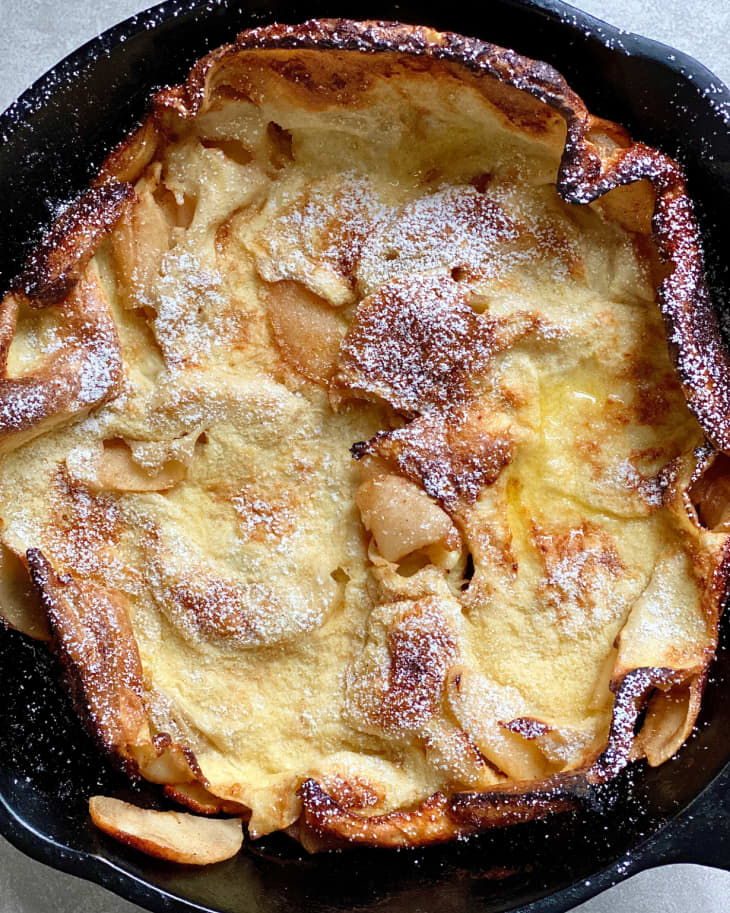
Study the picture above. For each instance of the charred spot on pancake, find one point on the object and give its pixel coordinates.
(481, 181)
(449, 455)
(415, 344)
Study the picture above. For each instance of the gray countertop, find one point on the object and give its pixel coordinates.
(35, 35)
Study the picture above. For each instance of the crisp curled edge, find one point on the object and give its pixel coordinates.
(92, 637)
(586, 173)
(325, 824)
(83, 373)
(88, 370)
(93, 640)
(59, 260)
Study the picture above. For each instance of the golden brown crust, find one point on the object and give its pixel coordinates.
(422, 650)
(93, 639)
(437, 344)
(127, 162)
(69, 382)
(588, 171)
(60, 259)
(451, 456)
(517, 804)
(326, 824)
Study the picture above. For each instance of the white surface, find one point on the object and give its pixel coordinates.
(700, 28)
(670, 889)
(35, 34)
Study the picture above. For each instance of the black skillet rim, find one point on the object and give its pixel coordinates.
(662, 846)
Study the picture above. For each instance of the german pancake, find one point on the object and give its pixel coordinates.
(362, 436)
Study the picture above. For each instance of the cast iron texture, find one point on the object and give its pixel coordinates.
(54, 138)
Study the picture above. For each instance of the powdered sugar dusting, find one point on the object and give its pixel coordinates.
(316, 235)
(448, 453)
(454, 228)
(582, 567)
(189, 304)
(22, 406)
(415, 343)
(71, 377)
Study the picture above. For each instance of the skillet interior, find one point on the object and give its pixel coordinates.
(45, 777)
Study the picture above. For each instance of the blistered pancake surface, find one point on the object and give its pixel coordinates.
(366, 465)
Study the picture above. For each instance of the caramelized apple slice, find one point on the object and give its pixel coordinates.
(198, 799)
(131, 157)
(371, 467)
(163, 761)
(119, 470)
(711, 495)
(176, 836)
(670, 717)
(19, 602)
(481, 707)
(306, 329)
(402, 517)
(112, 467)
(139, 243)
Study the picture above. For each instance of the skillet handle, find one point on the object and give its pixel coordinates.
(700, 834)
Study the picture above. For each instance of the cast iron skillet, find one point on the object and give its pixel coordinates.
(54, 137)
